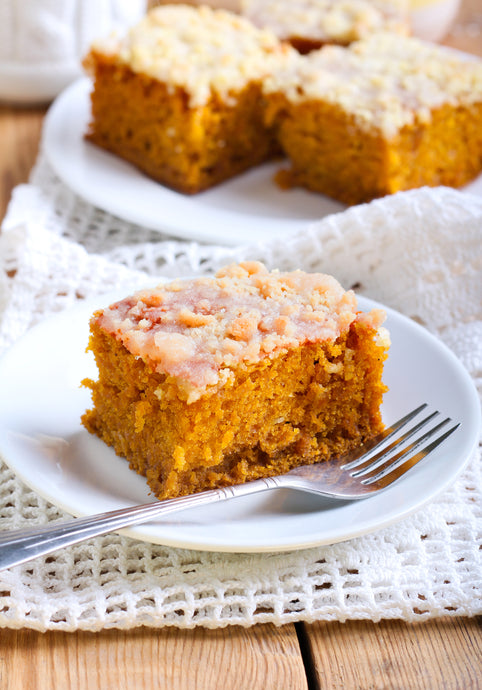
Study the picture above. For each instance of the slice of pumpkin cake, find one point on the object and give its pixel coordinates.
(220, 380)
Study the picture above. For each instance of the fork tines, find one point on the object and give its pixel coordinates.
(385, 466)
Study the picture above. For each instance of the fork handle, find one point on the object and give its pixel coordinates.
(20, 546)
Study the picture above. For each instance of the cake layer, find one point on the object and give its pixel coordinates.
(222, 380)
(198, 331)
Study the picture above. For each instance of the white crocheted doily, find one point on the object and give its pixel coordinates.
(418, 252)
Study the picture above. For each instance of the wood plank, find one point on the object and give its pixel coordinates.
(263, 657)
(444, 653)
(19, 136)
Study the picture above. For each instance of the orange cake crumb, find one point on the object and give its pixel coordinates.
(180, 95)
(217, 381)
(388, 113)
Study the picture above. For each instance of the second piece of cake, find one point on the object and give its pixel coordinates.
(387, 114)
(180, 95)
(216, 381)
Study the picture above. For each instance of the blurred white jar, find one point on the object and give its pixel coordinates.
(432, 19)
(42, 42)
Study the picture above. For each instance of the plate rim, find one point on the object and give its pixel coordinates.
(207, 223)
(144, 533)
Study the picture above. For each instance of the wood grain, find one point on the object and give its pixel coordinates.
(20, 130)
(443, 654)
(261, 657)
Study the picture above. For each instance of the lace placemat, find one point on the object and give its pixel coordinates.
(418, 252)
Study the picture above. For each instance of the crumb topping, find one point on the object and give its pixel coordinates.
(341, 21)
(199, 330)
(385, 81)
(198, 49)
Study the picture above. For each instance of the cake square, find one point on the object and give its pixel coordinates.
(180, 96)
(310, 24)
(389, 113)
(221, 380)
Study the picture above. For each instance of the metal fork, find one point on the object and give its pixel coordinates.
(371, 468)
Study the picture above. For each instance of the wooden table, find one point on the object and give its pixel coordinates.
(437, 654)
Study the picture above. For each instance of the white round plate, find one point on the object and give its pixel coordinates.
(42, 440)
(246, 209)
